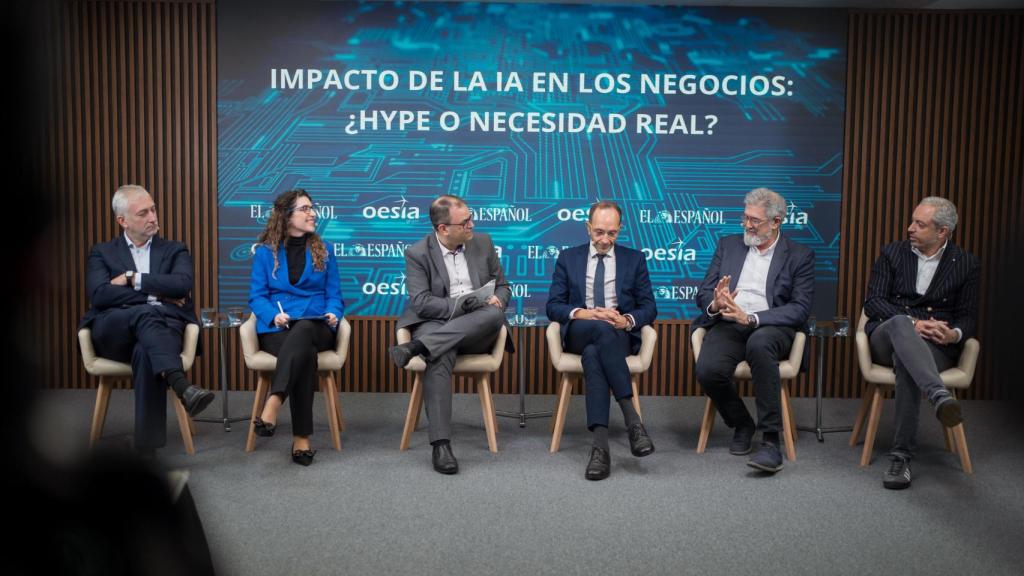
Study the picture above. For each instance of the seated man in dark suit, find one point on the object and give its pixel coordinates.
(922, 303)
(139, 286)
(450, 261)
(756, 294)
(601, 295)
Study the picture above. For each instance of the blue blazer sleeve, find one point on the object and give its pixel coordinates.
(335, 305)
(260, 301)
(103, 294)
(646, 310)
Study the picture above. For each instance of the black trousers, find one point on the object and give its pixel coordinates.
(603, 350)
(150, 338)
(295, 377)
(726, 345)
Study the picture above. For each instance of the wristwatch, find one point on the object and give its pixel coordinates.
(130, 277)
(752, 320)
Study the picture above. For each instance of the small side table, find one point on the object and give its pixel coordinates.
(521, 325)
(221, 325)
(822, 331)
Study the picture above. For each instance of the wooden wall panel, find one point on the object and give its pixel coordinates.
(933, 107)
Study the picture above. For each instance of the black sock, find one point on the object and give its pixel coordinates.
(771, 438)
(177, 381)
(418, 349)
(443, 442)
(629, 412)
(601, 437)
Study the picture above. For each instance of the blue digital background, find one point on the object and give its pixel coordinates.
(680, 193)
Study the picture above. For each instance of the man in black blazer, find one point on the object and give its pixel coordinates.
(601, 295)
(922, 303)
(756, 294)
(139, 287)
(450, 261)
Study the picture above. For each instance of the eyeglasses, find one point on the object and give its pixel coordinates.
(755, 222)
(598, 233)
(467, 222)
(305, 209)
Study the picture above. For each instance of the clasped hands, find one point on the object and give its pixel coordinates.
(937, 331)
(725, 302)
(609, 315)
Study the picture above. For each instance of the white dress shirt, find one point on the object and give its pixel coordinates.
(753, 282)
(926, 267)
(459, 282)
(140, 255)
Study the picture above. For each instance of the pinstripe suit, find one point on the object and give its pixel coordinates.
(892, 299)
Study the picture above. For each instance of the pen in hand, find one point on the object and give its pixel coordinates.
(281, 308)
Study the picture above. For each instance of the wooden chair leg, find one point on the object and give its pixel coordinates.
(562, 406)
(183, 423)
(635, 378)
(483, 387)
(862, 412)
(331, 400)
(99, 411)
(412, 414)
(961, 448)
(262, 387)
(337, 395)
(787, 424)
(873, 416)
(706, 424)
(947, 436)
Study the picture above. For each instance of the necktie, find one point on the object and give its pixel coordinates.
(599, 282)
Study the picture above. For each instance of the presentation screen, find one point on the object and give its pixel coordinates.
(530, 112)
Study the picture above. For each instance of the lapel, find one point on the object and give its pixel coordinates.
(434, 256)
(579, 270)
(124, 255)
(778, 260)
(156, 255)
(620, 265)
(471, 251)
(733, 265)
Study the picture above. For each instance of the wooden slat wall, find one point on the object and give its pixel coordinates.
(933, 107)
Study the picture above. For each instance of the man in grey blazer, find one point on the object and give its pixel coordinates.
(922, 304)
(447, 263)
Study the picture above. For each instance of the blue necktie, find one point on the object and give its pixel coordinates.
(599, 282)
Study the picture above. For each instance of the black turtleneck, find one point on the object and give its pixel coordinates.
(295, 246)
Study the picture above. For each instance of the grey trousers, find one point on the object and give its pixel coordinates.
(917, 363)
(472, 333)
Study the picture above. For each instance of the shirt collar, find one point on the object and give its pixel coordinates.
(445, 251)
(131, 245)
(593, 252)
(936, 256)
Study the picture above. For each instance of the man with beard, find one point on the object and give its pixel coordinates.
(757, 293)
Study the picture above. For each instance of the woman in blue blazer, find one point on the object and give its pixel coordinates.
(296, 297)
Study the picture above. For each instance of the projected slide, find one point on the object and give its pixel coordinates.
(530, 112)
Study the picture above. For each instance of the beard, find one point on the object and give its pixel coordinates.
(754, 239)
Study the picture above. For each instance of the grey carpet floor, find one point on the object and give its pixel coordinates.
(371, 509)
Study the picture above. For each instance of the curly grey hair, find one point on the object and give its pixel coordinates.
(773, 202)
(945, 212)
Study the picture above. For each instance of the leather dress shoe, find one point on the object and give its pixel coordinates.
(196, 399)
(401, 354)
(767, 458)
(742, 441)
(444, 460)
(639, 442)
(264, 428)
(303, 457)
(600, 465)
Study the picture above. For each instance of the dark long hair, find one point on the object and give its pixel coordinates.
(277, 230)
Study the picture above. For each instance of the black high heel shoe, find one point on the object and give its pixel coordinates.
(304, 457)
(264, 428)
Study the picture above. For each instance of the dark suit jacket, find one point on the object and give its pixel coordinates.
(632, 288)
(952, 296)
(427, 282)
(170, 266)
(790, 287)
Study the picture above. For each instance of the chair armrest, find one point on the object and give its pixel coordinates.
(342, 341)
(554, 336)
(250, 342)
(648, 339)
(88, 350)
(796, 351)
(696, 341)
(403, 335)
(188, 347)
(969, 357)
